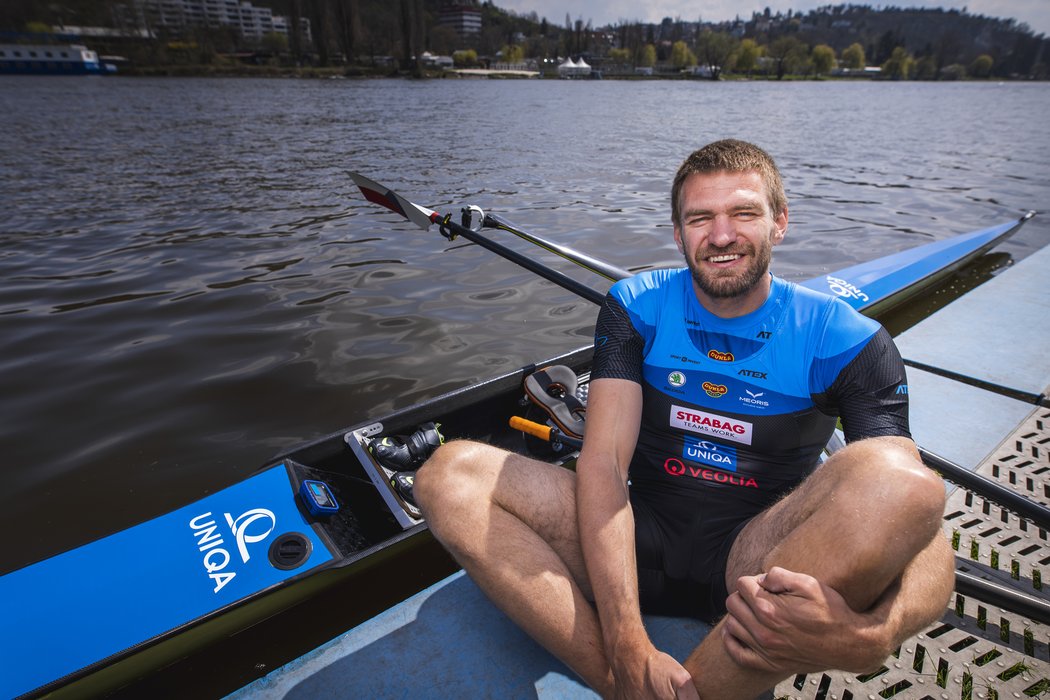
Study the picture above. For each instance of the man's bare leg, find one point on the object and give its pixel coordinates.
(866, 524)
(511, 523)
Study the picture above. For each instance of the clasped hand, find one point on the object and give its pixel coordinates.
(784, 621)
(650, 673)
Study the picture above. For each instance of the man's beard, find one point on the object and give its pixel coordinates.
(719, 284)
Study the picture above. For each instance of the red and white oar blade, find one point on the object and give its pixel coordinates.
(384, 196)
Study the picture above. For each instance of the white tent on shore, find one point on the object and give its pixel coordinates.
(571, 68)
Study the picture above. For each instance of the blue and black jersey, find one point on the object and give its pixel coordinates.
(738, 410)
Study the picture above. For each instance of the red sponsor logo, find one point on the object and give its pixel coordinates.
(697, 421)
(711, 421)
(676, 467)
(715, 390)
(720, 356)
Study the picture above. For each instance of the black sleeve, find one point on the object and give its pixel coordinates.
(871, 392)
(617, 344)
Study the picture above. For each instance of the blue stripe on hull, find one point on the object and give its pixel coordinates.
(68, 612)
(868, 283)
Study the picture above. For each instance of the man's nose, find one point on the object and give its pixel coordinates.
(723, 232)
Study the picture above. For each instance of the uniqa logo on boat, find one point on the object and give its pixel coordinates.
(211, 543)
(845, 289)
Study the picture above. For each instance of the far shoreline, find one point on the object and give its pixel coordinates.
(477, 73)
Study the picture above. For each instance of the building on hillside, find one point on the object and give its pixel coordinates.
(463, 16)
(249, 21)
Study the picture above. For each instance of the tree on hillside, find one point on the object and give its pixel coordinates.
(319, 29)
(787, 54)
(646, 56)
(619, 56)
(411, 36)
(888, 42)
(853, 57)
(715, 48)
(347, 26)
(898, 66)
(823, 58)
(681, 55)
(982, 66)
(747, 57)
(924, 68)
(513, 53)
(294, 10)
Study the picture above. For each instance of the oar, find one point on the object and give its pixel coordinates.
(423, 217)
(599, 267)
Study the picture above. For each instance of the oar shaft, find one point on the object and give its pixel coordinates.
(988, 489)
(1000, 595)
(599, 267)
(551, 275)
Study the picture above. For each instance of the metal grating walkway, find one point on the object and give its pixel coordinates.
(975, 651)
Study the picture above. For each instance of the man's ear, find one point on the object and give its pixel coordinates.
(781, 224)
(678, 239)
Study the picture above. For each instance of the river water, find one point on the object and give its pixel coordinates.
(190, 282)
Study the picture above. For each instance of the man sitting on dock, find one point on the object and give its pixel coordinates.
(713, 391)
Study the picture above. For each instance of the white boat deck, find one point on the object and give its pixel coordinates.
(449, 641)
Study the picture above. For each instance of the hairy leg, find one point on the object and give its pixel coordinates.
(511, 523)
(861, 525)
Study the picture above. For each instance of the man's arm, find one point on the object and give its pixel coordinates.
(787, 620)
(606, 523)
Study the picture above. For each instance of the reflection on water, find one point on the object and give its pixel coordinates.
(191, 283)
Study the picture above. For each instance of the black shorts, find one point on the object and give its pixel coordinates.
(682, 549)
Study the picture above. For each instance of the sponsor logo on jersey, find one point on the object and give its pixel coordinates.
(676, 467)
(720, 356)
(715, 391)
(764, 335)
(721, 456)
(845, 289)
(676, 379)
(685, 360)
(751, 373)
(754, 398)
(902, 389)
(696, 421)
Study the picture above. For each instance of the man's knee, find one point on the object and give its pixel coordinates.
(892, 479)
(449, 475)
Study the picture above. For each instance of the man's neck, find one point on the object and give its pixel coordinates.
(738, 305)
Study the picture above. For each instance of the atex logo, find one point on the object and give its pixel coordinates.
(697, 421)
(249, 527)
(715, 391)
(720, 356)
(902, 389)
(752, 374)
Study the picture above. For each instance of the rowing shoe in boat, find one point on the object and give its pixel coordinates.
(318, 513)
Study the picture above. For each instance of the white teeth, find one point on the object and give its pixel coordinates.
(723, 258)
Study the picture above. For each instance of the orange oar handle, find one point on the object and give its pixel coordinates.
(543, 432)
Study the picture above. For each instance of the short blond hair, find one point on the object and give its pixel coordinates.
(730, 156)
